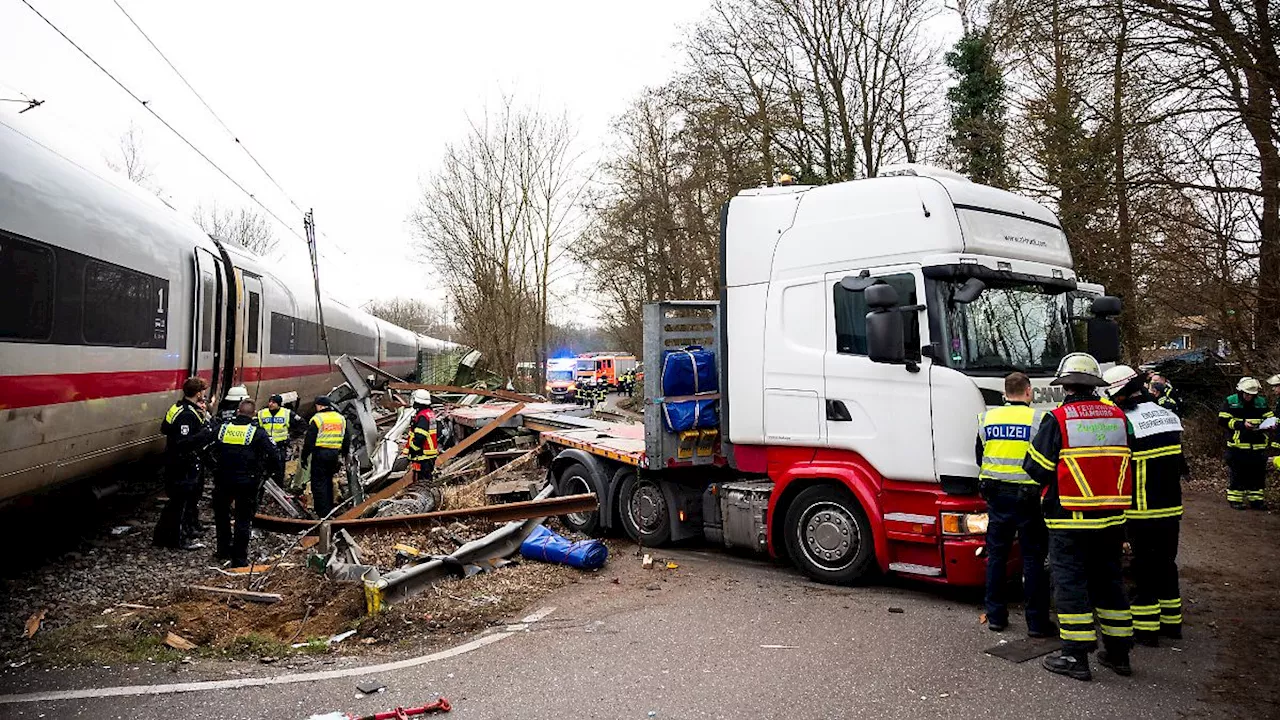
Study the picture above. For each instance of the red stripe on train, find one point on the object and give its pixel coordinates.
(20, 391)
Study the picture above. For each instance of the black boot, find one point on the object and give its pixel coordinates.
(1119, 664)
(1148, 638)
(1238, 506)
(1049, 630)
(1073, 666)
(1257, 505)
(1171, 631)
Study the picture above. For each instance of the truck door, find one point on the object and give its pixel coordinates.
(250, 368)
(878, 410)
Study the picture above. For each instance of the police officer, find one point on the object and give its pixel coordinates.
(227, 408)
(1081, 456)
(278, 422)
(187, 433)
(244, 454)
(1013, 507)
(423, 443)
(325, 444)
(1242, 414)
(1155, 437)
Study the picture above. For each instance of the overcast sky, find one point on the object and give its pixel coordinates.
(345, 104)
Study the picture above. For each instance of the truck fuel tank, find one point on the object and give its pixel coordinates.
(734, 514)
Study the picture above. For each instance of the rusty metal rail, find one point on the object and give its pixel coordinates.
(497, 513)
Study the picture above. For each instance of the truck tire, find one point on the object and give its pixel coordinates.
(828, 535)
(575, 479)
(643, 510)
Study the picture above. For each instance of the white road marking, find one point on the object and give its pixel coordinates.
(172, 688)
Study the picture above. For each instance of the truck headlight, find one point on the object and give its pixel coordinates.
(955, 523)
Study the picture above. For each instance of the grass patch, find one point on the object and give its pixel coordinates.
(82, 643)
(254, 645)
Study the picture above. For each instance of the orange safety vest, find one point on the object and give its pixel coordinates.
(1093, 466)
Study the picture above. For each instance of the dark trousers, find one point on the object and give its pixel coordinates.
(191, 511)
(324, 465)
(424, 470)
(1156, 599)
(1248, 471)
(1014, 511)
(1086, 580)
(240, 499)
(181, 484)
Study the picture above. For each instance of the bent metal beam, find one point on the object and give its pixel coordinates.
(498, 513)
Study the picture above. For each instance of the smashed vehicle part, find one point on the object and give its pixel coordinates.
(466, 391)
(406, 582)
(478, 435)
(543, 506)
(282, 498)
(412, 503)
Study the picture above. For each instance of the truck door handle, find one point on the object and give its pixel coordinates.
(837, 412)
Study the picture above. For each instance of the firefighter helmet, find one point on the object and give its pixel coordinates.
(1118, 378)
(1079, 369)
(421, 398)
(1249, 386)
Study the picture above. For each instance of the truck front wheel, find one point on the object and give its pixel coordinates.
(643, 510)
(575, 479)
(828, 535)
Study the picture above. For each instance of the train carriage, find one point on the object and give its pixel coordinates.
(110, 300)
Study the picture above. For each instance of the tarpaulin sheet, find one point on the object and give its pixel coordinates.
(547, 546)
(690, 371)
(690, 415)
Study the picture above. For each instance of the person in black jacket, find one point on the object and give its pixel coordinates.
(245, 455)
(326, 442)
(187, 434)
(1152, 524)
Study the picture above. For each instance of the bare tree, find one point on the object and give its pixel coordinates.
(245, 227)
(130, 159)
(416, 315)
(495, 222)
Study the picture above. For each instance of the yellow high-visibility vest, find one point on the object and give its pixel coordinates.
(331, 428)
(232, 434)
(1006, 436)
(277, 426)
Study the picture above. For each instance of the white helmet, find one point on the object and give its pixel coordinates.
(237, 394)
(1079, 369)
(1273, 380)
(1249, 385)
(1118, 377)
(421, 398)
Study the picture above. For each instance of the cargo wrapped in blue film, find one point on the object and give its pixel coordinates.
(547, 546)
(690, 415)
(690, 371)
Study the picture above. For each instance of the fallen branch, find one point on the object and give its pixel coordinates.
(251, 596)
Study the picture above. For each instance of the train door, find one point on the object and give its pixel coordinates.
(250, 368)
(207, 321)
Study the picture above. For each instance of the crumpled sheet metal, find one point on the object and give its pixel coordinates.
(404, 583)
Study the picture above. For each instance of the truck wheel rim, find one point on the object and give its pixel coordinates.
(647, 508)
(829, 535)
(578, 485)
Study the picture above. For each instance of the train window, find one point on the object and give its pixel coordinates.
(255, 313)
(26, 290)
(124, 307)
(206, 312)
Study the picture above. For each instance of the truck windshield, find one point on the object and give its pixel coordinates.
(1009, 327)
(559, 375)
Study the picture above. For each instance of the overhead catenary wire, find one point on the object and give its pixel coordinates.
(164, 122)
(199, 97)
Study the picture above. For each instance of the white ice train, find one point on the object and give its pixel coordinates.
(109, 300)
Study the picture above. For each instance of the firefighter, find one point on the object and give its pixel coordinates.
(1274, 383)
(423, 444)
(279, 422)
(1155, 438)
(1162, 391)
(187, 433)
(1013, 507)
(1081, 456)
(1242, 414)
(229, 405)
(326, 442)
(245, 455)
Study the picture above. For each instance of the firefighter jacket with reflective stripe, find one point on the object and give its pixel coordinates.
(244, 453)
(1169, 402)
(277, 424)
(1235, 411)
(1155, 438)
(422, 439)
(1080, 455)
(1005, 433)
(186, 429)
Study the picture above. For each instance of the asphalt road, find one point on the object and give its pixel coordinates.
(693, 643)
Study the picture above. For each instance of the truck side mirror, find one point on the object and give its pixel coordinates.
(885, 325)
(1103, 331)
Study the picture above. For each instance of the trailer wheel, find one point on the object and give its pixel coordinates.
(575, 479)
(828, 535)
(643, 511)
